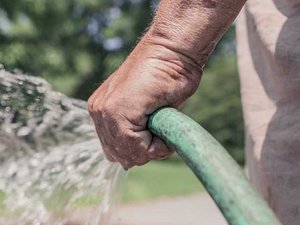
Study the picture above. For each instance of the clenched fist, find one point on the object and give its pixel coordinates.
(151, 77)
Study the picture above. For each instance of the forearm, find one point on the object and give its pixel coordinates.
(193, 27)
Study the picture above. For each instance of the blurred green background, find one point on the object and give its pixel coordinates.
(76, 44)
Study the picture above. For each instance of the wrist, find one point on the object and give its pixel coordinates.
(175, 46)
(184, 43)
(194, 27)
(169, 52)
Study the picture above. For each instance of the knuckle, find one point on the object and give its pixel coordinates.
(131, 137)
(90, 104)
(106, 109)
(99, 109)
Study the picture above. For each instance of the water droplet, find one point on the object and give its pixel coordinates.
(7, 109)
(29, 91)
(5, 97)
(31, 173)
(23, 131)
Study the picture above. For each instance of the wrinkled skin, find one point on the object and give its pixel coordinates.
(153, 76)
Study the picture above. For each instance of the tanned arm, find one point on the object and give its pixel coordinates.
(164, 69)
(193, 27)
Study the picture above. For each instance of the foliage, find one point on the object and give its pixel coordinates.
(157, 179)
(75, 41)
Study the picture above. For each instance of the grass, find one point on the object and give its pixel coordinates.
(158, 179)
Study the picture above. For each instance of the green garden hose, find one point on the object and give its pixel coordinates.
(218, 172)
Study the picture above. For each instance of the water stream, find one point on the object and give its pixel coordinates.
(51, 163)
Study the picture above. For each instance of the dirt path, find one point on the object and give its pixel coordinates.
(196, 209)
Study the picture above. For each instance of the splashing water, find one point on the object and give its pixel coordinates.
(51, 163)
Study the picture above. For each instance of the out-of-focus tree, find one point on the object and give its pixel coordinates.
(72, 43)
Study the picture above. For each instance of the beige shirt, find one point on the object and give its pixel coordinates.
(268, 37)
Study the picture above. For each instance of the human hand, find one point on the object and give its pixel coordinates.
(153, 76)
